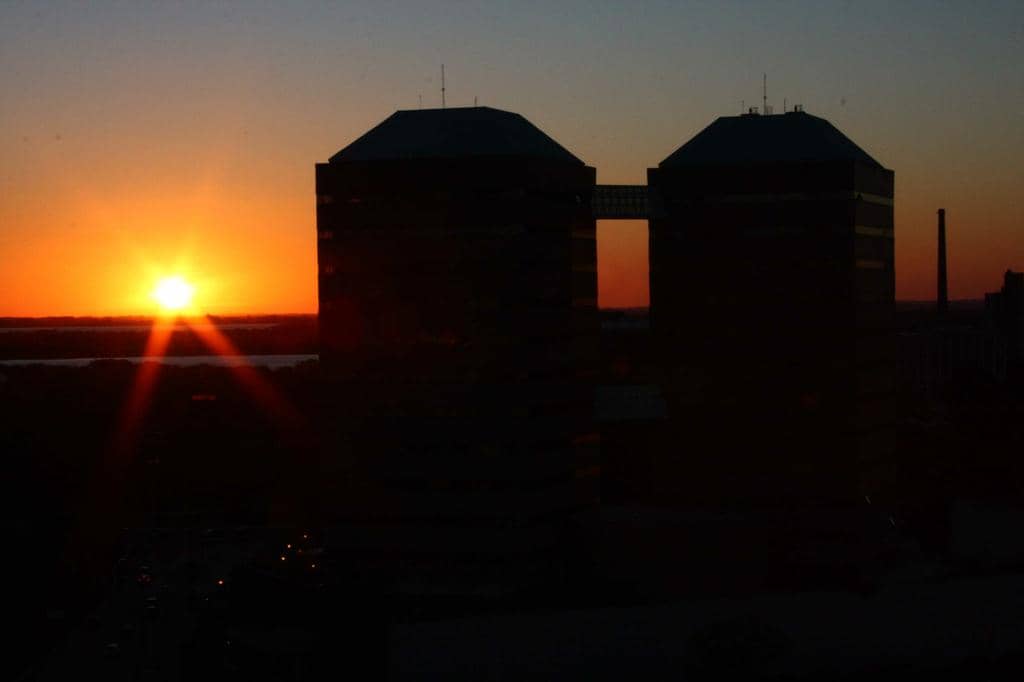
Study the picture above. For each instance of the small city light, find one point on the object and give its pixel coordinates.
(220, 582)
(288, 546)
(282, 558)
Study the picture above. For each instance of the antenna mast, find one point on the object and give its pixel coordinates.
(442, 87)
(764, 95)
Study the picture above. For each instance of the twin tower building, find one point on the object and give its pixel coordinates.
(458, 313)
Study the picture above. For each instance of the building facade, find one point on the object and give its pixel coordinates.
(457, 289)
(772, 287)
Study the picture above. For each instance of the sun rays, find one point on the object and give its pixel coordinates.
(140, 395)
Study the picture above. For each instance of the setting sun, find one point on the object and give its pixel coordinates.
(173, 293)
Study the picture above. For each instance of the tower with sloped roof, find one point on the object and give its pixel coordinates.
(457, 289)
(772, 287)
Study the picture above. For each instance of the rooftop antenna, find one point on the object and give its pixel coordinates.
(764, 94)
(420, 98)
(442, 87)
(474, 100)
(783, 105)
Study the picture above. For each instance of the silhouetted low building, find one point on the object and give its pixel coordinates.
(933, 359)
(1004, 312)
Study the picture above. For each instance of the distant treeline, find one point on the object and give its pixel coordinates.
(125, 321)
(293, 334)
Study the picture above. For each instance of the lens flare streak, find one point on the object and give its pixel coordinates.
(258, 387)
(139, 396)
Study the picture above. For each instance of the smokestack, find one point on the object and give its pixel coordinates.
(943, 294)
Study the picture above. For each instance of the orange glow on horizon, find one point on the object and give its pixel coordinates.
(101, 247)
(195, 133)
(96, 245)
(95, 241)
(622, 264)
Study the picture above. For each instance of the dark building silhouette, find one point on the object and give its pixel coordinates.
(457, 288)
(772, 288)
(933, 359)
(1004, 311)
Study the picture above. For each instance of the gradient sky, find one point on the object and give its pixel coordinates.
(140, 139)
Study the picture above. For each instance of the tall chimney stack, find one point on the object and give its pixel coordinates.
(943, 294)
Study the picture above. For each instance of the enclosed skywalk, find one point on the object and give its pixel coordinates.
(620, 202)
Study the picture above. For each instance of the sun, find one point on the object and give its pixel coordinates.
(173, 293)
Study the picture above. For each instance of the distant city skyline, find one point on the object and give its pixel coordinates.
(142, 142)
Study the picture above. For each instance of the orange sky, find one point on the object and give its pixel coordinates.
(137, 142)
